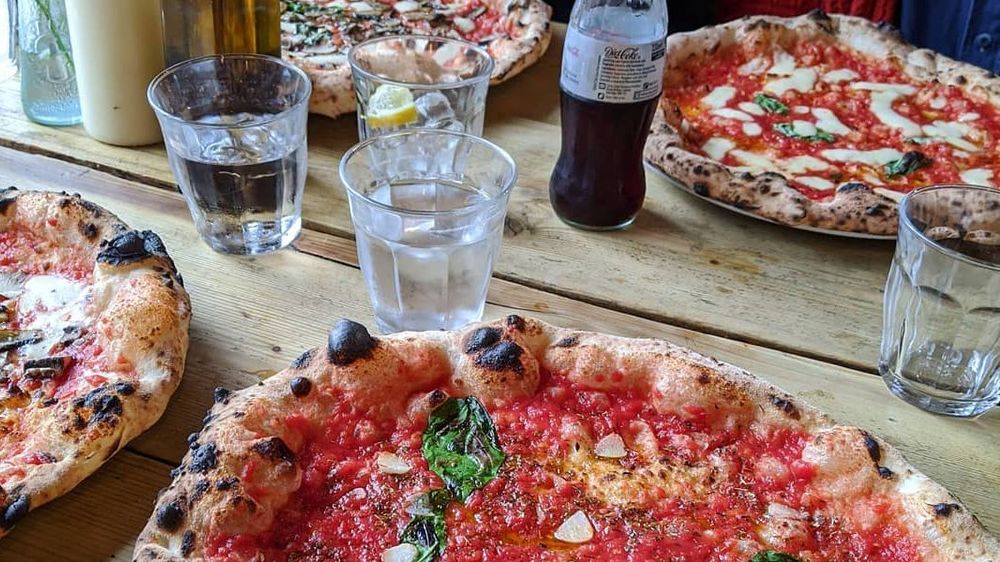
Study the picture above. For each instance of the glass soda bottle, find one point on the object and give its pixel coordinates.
(612, 74)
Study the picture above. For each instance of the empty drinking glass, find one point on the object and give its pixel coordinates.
(415, 81)
(428, 208)
(235, 130)
(941, 324)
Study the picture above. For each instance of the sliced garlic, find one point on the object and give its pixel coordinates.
(391, 463)
(400, 553)
(610, 447)
(575, 529)
(465, 25)
(404, 6)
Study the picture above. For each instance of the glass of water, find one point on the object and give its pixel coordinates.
(941, 324)
(428, 209)
(8, 38)
(235, 131)
(411, 81)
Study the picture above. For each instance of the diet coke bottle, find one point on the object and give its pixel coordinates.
(612, 74)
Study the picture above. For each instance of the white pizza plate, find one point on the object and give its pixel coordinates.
(680, 185)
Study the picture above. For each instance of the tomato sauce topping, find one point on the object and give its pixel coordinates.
(713, 489)
(930, 104)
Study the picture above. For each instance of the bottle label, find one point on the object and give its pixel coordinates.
(612, 72)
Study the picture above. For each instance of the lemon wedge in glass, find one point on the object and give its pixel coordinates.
(391, 106)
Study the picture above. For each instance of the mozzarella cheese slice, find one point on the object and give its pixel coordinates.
(751, 108)
(952, 132)
(805, 163)
(729, 113)
(753, 66)
(752, 129)
(881, 107)
(827, 120)
(971, 116)
(840, 75)
(978, 176)
(803, 128)
(879, 157)
(800, 80)
(894, 195)
(784, 63)
(717, 147)
(719, 97)
(55, 302)
(903, 89)
(821, 184)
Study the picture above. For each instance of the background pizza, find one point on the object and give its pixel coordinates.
(93, 335)
(821, 120)
(515, 440)
(316, 35)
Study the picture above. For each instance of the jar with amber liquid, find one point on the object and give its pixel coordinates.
(194, 28)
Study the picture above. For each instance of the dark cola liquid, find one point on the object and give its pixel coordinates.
(598, 182)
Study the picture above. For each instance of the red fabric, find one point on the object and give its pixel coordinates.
(875, 10)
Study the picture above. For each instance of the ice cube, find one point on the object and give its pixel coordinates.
(434, 109)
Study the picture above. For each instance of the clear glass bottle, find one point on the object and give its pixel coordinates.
(8, 38)
(612, 73)
(193, 28)
(48, 79)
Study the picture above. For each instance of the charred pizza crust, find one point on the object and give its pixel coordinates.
(501, 360)
(333, 91)
(139, 312)
(855, 207)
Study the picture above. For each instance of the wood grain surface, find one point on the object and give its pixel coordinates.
(684, 261)
(253, 315)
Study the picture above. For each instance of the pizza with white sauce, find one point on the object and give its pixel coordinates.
(822, 120)
(317, 34)
(93, 336)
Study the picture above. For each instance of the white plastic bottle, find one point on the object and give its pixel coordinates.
(118, 49)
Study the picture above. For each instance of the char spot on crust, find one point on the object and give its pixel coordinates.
(199, 489)
(125, 388)
(226, 483)
(515, 322)
(303, 360)
(503, 356)
(7, 196)
(169, 517)
(103, 405)
(482, 338)
(852, 186)
(945, 509)
(700, 188)
(568, 341)
(874, 451)
(14, 511)
(274, 449)
(437, 397)
(785, 405)
(348, 342)
(221, 394)
(300, 386)
(204, 458)
(89, 230)
(187, 543)
(885, 473)
(961, 80)
(131, 246)
(875, 209)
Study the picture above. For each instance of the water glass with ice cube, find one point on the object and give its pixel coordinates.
(441, 84)
(235, 132)
(428, 209)
(941, 322)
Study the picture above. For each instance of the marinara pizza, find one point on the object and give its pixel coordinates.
(93, 332)
(316, 35)
(821, 120)
(518, 441)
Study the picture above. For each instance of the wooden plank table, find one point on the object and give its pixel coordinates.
(801, 310)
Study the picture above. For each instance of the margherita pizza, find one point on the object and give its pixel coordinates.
(93, 331)
(316, 35)
(822, 121)
(518, 441)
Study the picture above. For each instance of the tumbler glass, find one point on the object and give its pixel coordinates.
(8, 38)
(428, 209)
(404, 82)
(941, 323)
(235, 131)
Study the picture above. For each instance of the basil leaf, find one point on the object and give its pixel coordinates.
(771, 105)
(295, 7)
(788, 130)
(909, 163)
(773, 556)
(460, 445)
(426, 530)
(317, 35)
